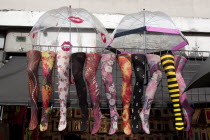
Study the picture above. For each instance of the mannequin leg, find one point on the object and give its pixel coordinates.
(167, 61)
(33, 59)
(138, 61)
(155, 72)
(78, 61)
(48, 59)
(63, 58)
(92, 62)
(188, 111)
(107, 62)
(124, 61)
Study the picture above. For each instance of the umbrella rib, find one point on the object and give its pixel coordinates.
(129, 27)
(150, 19)
(155, 20)
(138, 19)
(58, 17)
(61, 14)
(134, 22)
(58, 32)
(90, 22)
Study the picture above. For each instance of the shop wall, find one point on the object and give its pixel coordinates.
(180, 8)
(191, 17)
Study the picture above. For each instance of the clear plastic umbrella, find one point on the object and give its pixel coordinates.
(147, 31)
(69, 27)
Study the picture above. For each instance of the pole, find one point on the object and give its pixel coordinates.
(144, 36)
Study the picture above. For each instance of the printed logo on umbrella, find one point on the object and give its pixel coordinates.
(34, 32)
(66, 43)
(75, 19)
(103, 37)
(33, 35)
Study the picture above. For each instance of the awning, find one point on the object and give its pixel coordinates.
(13, 82)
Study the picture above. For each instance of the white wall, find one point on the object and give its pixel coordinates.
(180, 8)
(188, 15)
(2, 39)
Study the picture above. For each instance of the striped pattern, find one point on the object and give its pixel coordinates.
(167, 62)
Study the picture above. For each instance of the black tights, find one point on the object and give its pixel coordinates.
(138, 61)
(78, 61)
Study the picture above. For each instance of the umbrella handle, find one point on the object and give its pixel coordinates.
(114, 50)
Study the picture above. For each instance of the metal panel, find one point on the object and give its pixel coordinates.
(2, 39)
(17, 42)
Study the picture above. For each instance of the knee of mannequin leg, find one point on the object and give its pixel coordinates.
(32, 72)
(63, 75)
(157, 75)
(88, 76)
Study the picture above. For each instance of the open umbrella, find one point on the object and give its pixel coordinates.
(152, 32)
(146, 31)
(74, 30)
(69, 27)
(202, 77)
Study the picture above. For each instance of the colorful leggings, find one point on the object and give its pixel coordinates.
(78, 61)
(155, 72)
(33, 59)
(138, 61)
(48, 59)
(124, 61)
(167, 61)
(107, 62)
(92, 62)
(180, 62)
(63, 58)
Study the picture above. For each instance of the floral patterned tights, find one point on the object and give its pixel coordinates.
(63, 58)
(155, 72)
(107, 62)
(92, 62)
(48, 59)
(124, 61)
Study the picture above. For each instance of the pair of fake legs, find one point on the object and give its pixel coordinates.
(78, 60)
(63, 59)
(31, 84)
(175, 90)
(107, 61)
(33, 59)
(138, 61)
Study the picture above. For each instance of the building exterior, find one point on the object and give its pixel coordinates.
(17, 17)
(191, 17)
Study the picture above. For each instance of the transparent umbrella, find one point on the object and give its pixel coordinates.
(69, 27)
(147, 31)
(151, 32)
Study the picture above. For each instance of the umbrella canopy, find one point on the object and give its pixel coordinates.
(147, 30)
(69, 27)
(202, 77)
